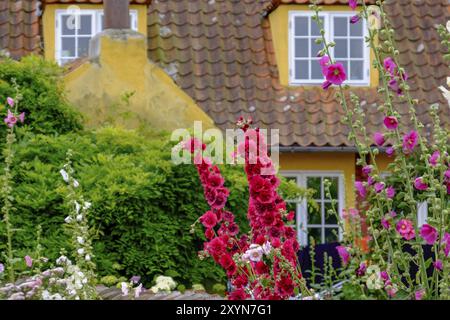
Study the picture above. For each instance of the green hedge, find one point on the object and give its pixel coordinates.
(143, 205)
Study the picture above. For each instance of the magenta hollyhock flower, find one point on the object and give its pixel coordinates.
(393, 214)
(405, 229)
(28, 261)
(343, 253)
(419, 294)
(354, 19)
(362, 269)
(385, 223)
(10, 119)
(390, 192)
(438, 265)
(326, 85)
(135, 279)
(353, 4)
(370, 181)
(384, 275)
(428, 233)
(389, 65)
(446, 243)
(434, 158)
(324, 62)
(367, 170)
(410, 141)
(379, 186)
(390, 122)
(390, 151)
(336, 73)
(419, 184)
(359, 186)
(10, 101)
(378, 138)
(394, 85)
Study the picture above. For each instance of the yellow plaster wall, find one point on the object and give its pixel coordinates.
(98, 85)
(382, 162)
(324, 161)
(49, 23)
(279, 23)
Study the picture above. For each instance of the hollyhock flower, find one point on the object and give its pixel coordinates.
(385, 223)
(391, 291)
(390, 151)
(353, 4)
(193, 145)
(285, 286)
(10, 119)
(384, 275)
(390, 66)
(390, 122)
(215, 180)
(10, 102)
(324, 62)
(393, 214)
(390, 192)
(446, 242)
(394, 85)
(2, 268)
(261, 268)
(216, 246)
(290, 216)
(419, 184)
(370, 181)
(366, 170)
(267, 248)
(410, 141)
(378, 138)
(238, 294)
(326, 85)
(438, 265)
(255, 253)
(405, 229)
(419, 294)
(138, 290)
(64, 174)
(124, 289)
(209, 219)
(361, 189)
(434, 158)
(362, 269)
(428, 233)
(344, 254)
(379, 186)
(28, 261)
(209, 234)
(354, 19)
(226, 261)
(135, 279)
(336, 73)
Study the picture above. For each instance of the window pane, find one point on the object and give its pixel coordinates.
(315, 184)
(102, 22)
(316, 233)
(64, 61)
(340, 26)
(293, 179)
(330, 218)
(85, 25)
(301, 48)
(356, 48)
(302, 69)
(83, 46)
(301, 26)
(68, 47)
(340, 51)
(315, 48)
(331, 235)
(68, 25)
(356, 30)
(357, 70)
(316, 70)
(333, 187)
(315, 30)
(315, 215)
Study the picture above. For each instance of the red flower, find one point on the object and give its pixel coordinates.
(240, 281)
(226, 261)
(285, 286)
(238, 294)
(261, 268)
(209, 219)
(215, 180)
(209, 234)
(216, 247)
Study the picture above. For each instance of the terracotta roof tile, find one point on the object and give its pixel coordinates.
(226, 62)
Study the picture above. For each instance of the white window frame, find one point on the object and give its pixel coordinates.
(329, 34)
(301, 207)
(96, 27)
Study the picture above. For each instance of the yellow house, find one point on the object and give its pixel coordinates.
(216, 60)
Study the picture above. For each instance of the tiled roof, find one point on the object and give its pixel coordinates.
(92, 1)
(322, 2)
(19, 27)
(221, 53)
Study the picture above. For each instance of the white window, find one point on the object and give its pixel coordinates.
(73, 32)
(316, 222)
(350, 49)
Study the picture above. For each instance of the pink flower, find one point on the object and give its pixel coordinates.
(10, 119)
(438, 265)
(390, 151)
(428, 233)
(10, 101)
(393, 214)
(393, 84)
(326, 85)
(378, 138)
(384, 275)
(343, 253)
(361, 189)
(446, 243)
(336, 74)
(367, 170)
(405, 229)
(28, 261)
(209, 219)
(354, 19)
(410, 141)
(379, 186)
(2, 268)
(362, 269)
(434, 158)
(390, 192)
(353, 4)
(324, 62)
(419, 184)
(391, 122)
(419, 294)
(389, 65)
(385, 223)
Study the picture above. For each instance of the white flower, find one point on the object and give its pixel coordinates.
(255, 252)
(80, 240)
(61, 260)
(87, 257)
(68, 219)
(448, 26)
(266, 248)
(45, 295)
(64, 174)
(77, 207)
(80, 251)
(124, 288)
(87, 205)
(138, 291)
(79, 217)
(75, 183)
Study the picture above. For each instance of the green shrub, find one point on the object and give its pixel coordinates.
(219, 289)
(43, 100)
(143, 205)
